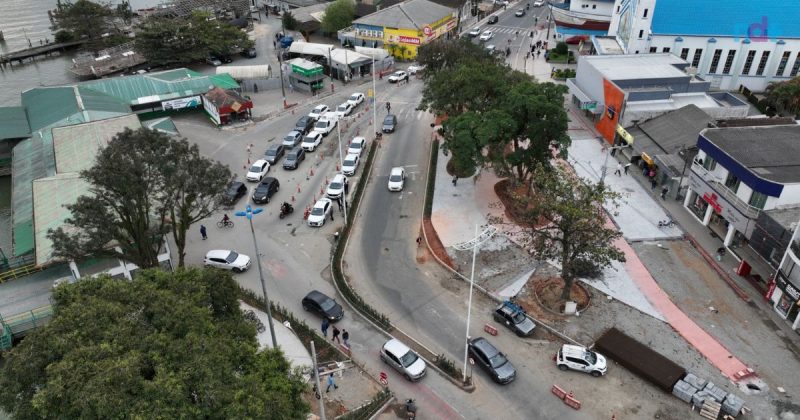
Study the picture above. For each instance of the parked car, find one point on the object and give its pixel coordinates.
(577, 39)
(389, 123)
(486, 35)
(249, 52)
(403, 359)
(491, 49)
(501, 2)
(326, 124)
(294, 157)
(311, 141)
(318, 111)
(265, 190)
(398, 76)
(356, 99)
(319, 213)
(350, 165)
(227, 260)
(519, 13)
(493, 19)
(304, 124)
(414, 69)
(475, 32)
(338, 187)
(344, 109)
(323, 306)
(233, 193)
(397, 179)
(513, 317)
(214, 61)
(292, 139)
(538, 3)
(257, 170)
(274, 153)
(581, 359)
(225, 58)
(492, 360)
(356, 146)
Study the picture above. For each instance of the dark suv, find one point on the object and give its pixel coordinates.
(294, 157)
(305, 124)
(513, 317)
(493, 19)
(265, 190)
(492, 360)
(233, 193)
(274, 153)
(389, 123)
(323, 305)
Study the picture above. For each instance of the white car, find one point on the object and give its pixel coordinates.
(403, 359)
(318, 111)
(538, 3)
(475, 32)
(581, 359)
(325, 125)
(501, 2)
(311, 141)
(486, 35)
(350, 165)
(415, 69)
(398, 76)
(257, 170)
(490, 49)
(338, 187)
(397, 178)
(227, 260)
(344, 109)
(320, 212)
(356, 146)
(356, 99)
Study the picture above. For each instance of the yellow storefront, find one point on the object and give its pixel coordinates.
(403, 43)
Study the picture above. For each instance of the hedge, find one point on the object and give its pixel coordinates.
(431, 178)
(369, 409)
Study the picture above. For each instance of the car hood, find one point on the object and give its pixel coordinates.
(335, 313)
(333, 191)
(261, 193)
(417, 367)
(601, 362)
(241, 261)
(315, 218)
(526, 327)
(506, 371)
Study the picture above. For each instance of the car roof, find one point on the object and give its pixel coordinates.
(314, 134)
(268, 180)
(392, 116)
(358, 140)
(356, 93)
(351, 156)
(321, 202)
(235, 184)
(322, 106)
(218, 253)
(345, 103)
(275, 147)
(339, 178)
(317, 296)
(395, 347)
(573, 350)
(294, 133)
(259, 162)
(484, 346)
(396, 170)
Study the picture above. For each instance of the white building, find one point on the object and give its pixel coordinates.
(785, 292)
(731, 44)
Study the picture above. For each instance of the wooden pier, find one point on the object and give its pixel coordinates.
(46, 49)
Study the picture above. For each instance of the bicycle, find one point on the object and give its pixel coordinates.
(225, 224)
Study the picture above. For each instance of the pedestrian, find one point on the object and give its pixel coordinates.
(652, 174)
(455, 180)
(664, 192)
(325, 325)
(339, 202)
(332, 88)
(203, 232)
(335, 336)
(626, 168)
(419, 240)
(619, 169)
(331, 216)
(346, 338)
(274, 44)
(388, 107)
(331, 383)
(653, 183)
(538, 53)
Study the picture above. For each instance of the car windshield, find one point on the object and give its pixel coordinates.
(291, 156)
(272, 152)
(289, 138)
(322, 124)
(388, 120)
(518, 317)
(354, 97)
(408, 359)
(318, 110)
(255, 168)
(336, 185)
(590, 357)
(328, 304)
(231, 257)
(498, 360)
(317, 211)
(399, 73)
(341, 108)
(349, 162)
(310, 139)
(355, 146)
(396, 178)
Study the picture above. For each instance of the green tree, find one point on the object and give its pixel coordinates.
(165, 345)
(142, 185)
(570, 224)
(169, 40)
(289, 22)
(338, 15)
(443, 54)
(785, 96)
(94, 22)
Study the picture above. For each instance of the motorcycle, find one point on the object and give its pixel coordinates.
(411, 409)
(666, 223)
(286, 209)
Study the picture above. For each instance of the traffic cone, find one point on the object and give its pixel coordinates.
(298, 188)
(311, 172)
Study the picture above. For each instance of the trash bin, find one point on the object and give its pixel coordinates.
(744, 269)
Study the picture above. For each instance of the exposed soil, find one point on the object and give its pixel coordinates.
(434, 243)
(515, 209)
(547, 293)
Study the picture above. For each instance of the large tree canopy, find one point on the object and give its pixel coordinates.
(143, 185)
(97, 23)
(165, 345)
(167, 40)
(338, 15)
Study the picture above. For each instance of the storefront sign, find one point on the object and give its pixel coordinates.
(409, 40)
(621, 131)
(212, 110)
(189, 102)
(648, 159)
(427, 30)
(451, 24)
(788, 288)
(721, 206)
(711, 199)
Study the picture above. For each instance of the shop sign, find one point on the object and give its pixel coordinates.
(648, 159)
(409, 40)
(621, 131)
(711, 199)
(451, 24)
(788, 288)
(212, 110)
(427, 30)
(189, 102)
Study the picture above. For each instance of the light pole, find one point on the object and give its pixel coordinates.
(475, 244)
(684, 154)
(249, 213)
(604, 169)
(374, 98)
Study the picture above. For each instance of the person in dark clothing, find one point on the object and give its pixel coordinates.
(455, 180)
(335, 336)
(203, 232)
(346, 338)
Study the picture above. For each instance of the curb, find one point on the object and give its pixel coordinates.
(383, 408)
(722, 273)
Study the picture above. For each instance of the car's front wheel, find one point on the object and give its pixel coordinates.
(237, 270)
(596, 373)
(563, 367)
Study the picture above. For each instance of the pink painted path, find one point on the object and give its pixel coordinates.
(707, 345)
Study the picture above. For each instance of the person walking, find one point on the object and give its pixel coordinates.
(335, 336)
(325, 325)
(331, 383)
(626, 168)
(203, 232)
(455, 180)
(653, 183)
(664, 192)
(388, 107)
(331, 215)
(619, 169)
(346, 338)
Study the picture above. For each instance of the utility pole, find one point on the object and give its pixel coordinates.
(280, 64)
(316, 379)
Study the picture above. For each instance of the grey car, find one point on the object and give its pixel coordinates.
(492, 360)
(294, 157)
(274, 153)
(292, 139)
(513, 317)
(389, 123)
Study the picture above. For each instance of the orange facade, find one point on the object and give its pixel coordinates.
(614, 99)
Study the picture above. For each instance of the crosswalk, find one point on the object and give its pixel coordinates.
(506, 29)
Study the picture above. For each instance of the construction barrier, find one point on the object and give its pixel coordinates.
(558, 392)
(572, 402)
(490, 329)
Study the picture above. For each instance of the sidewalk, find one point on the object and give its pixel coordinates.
(290, 344)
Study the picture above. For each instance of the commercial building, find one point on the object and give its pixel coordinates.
(730, 44)
(582, 17)
(618, 90)
(402, 28)
(784, 292)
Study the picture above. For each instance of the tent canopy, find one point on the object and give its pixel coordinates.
(345, 57)
(261, 71)
(309, 48)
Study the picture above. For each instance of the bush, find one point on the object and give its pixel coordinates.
(448, 366)
(431, 178)
(64, 36)
(561, 48)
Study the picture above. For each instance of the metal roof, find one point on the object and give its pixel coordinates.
(76, 146)
(66, 105)
(31, 159)
(743, 19)
(669, 132)
(14, 123)
(164, 125)
(50, 195)
(770, 152)
(411, 14)
(261, 71)
(637, 66)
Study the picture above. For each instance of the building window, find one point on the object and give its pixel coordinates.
(666, 50)
(783, 63)
(594, 6)
(653, 49)
(732, 182)
(729, 62)
(644, 15)
(641, 33)
(709, 163)
(748, 62)
(696, 60)
(715, 61)
(758, 200)
(684, 53)
(762, 64)
(796, 66)
(618, 7)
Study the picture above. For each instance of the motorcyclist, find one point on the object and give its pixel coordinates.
(411, 408)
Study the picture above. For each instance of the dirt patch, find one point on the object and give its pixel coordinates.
(332, 407)
(516, 209)
(434, 243)
(548, 295)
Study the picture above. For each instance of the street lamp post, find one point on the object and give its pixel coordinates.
(604, 169)
(249, 213)
(477, 242)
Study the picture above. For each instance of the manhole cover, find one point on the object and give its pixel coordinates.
(754, 387)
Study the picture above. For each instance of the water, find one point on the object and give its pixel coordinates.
(24, 20)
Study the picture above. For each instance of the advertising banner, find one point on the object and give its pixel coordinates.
(181, 103)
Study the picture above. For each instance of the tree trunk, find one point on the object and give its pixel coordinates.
(568, 280)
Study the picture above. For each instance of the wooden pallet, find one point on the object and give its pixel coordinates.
(710, 409)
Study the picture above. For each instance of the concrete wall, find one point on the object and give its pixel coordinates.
(590, 80)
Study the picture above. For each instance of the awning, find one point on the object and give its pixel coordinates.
(309, 48)
(349, 58)
(375, 53)
(261, 71)
(586, 102)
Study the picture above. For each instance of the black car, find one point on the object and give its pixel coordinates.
(265, 190)
(233, 193)
(493, 19)
(274, 153)
(513, 317)
(249, 53)
(389, 123)
(294, 157)
(225, 58)
(492, 360)
(305, 124)
(324, 306)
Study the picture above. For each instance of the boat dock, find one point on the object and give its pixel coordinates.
(106, 62)
(32, 52)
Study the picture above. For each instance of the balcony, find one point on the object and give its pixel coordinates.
(716, 183)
